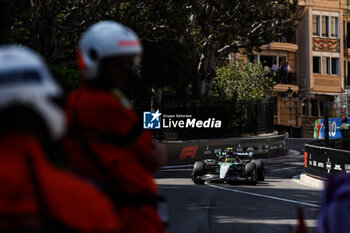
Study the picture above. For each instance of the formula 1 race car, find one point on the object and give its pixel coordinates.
(229, 167)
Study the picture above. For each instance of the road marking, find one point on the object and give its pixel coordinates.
(265, 196)
(285, 168)
(274, 221)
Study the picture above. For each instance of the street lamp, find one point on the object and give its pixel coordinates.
(291, 95)
(295, 97)
(290, 92)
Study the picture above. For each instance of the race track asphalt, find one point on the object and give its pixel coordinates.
(270, 206)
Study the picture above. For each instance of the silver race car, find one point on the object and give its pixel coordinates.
(229, 167)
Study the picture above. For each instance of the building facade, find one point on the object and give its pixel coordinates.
(319, 61)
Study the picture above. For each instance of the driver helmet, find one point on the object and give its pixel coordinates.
(25, 81)
(102, 40)
(229, 151)
(230, 159)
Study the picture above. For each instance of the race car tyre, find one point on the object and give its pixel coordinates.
(198, 170)
(250, 171)
(260, 169)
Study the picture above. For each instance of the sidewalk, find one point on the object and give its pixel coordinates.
(310, 181)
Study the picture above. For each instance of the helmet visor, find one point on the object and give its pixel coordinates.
(19, 76)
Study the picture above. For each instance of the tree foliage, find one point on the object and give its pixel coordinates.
(168, 64)
(54, 27)
(207, 30)
(219, 27)
(211, 28)
(242, 82)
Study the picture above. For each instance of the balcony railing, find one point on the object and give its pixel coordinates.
(284, 77)
(286, 39)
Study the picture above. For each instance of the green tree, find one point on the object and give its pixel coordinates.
(53, 27)
(217, 28)
(242, 82)
(211, 28)
(167, 68)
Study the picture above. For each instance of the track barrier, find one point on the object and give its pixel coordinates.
(323, 161)
(187, 152)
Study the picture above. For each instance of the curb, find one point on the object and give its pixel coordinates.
(310, 181)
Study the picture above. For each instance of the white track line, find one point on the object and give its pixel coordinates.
(265, 196)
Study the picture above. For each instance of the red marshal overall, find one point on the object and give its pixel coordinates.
(37, 197)
(106, 143)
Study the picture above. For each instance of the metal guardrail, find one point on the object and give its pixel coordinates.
(187, 152)
(323, 161)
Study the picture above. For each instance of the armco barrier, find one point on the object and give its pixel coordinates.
(187, 152)
(322, 161)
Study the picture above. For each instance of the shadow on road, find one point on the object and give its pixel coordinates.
(200, 208)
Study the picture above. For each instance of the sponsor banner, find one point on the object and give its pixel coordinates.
(334, 128)
(322, 161)
(180, 153)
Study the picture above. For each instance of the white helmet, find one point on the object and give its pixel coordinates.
(25, 80)
(105, 39)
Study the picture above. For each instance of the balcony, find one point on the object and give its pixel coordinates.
(281, 46)
(288, 38)
(285, 78)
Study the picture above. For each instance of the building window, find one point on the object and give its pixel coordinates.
(253, 57)
(334, 27)
(268, 60)
(335, 66)
(316, 66)
(325, 29)
(325, 26)
(281, 59)
(314, 107)
(316, 25)
(321, 108)
(325, 65)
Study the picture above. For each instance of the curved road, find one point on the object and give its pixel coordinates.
(270, 206)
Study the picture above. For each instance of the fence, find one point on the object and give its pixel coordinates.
(236, 120)
(285, 78)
